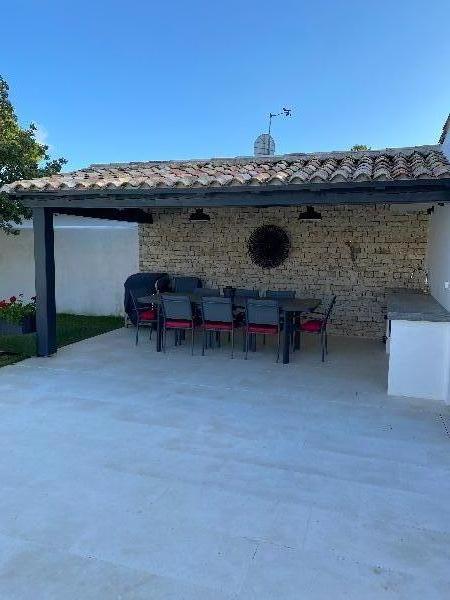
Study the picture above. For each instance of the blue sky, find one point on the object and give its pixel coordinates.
(111, 81)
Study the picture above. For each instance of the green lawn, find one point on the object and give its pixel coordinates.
(69, 329)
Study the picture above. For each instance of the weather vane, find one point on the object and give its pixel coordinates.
(265, 144)
(285, 112)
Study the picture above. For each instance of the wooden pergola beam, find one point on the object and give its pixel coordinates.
(129, 215)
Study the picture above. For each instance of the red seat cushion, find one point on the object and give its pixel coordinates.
(217, 325)
(269, 329)
(313, 325)
(147, 315)
(178, 324)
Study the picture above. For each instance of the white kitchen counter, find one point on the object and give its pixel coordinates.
(418, 345)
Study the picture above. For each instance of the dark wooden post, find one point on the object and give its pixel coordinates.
(44, 261)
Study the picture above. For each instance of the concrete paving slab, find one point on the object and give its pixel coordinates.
(35, 572)
(390, 545)
(291, 574)
(131, 474)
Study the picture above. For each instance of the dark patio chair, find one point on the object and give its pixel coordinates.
(186, 285)
(163, 284)
(206, 292)
(246, 293)
(319, 326)
(142, 284)
(142, 314)
(217, 316)
(178, 316)
(275, 294)
(262, 317)
(280, 294)
(243, 294)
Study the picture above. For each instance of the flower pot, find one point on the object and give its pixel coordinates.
(27, 325)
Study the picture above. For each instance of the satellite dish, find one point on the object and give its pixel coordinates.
(264, 145)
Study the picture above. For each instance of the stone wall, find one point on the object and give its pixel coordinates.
(388, 247)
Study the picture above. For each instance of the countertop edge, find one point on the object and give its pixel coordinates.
(414, 305)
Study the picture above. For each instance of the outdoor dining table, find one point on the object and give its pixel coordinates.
(290, 308)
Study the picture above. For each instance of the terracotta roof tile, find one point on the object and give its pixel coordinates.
(421, 162)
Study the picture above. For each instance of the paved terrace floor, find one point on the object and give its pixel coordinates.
(135, 475)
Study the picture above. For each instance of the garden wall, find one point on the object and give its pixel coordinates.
(92, 258)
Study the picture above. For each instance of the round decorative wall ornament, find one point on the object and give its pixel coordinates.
(268, 246)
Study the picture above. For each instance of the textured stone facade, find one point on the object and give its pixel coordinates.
(355, 252)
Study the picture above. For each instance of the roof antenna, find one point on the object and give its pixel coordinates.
(264, 143)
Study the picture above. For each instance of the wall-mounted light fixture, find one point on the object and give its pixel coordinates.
(199, 216)
(309, 214)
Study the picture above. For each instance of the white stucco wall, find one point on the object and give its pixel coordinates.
(439, 255)
(446, 142)
(419, 360)
(92, 259)
(439, 278)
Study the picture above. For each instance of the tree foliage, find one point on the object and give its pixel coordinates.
(359, 148)
(21, 157)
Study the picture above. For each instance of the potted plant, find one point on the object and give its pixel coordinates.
(17, 316)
